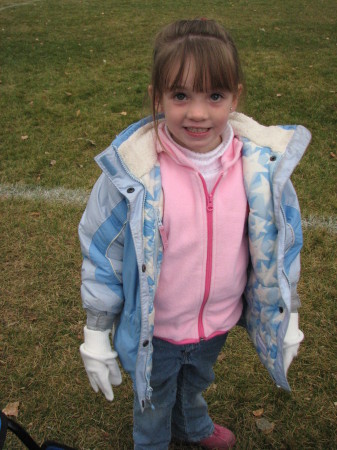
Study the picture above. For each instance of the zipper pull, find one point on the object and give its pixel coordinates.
(210, 203)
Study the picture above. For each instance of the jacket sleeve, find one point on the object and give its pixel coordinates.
(101, 233)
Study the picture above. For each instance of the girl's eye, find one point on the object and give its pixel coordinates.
(216, 97)
(180, 96)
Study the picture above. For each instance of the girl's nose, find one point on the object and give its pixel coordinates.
(197, 111)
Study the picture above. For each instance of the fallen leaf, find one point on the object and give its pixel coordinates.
(24, 138)
(78, 112)
(35, 214)
(91, 142)
(258, 412)
(69, 94)
(278, 95)
(12, 409)
(52, 162)
(265, 426)
(124, 113)
(333, 155)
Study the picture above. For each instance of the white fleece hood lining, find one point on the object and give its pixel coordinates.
(274, 137)
(139, 152)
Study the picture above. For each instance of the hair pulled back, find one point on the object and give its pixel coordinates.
(202, 42)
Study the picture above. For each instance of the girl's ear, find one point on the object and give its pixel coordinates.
(236, 97)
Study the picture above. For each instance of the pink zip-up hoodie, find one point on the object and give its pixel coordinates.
(204, 268)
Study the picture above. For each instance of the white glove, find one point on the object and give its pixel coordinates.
(292, 341)
(100, 362)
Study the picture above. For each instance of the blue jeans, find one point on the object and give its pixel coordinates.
(180, 373)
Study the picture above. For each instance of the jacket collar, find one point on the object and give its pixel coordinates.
(274, 137)
(136, 145)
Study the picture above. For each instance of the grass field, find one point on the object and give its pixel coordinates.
(72, 75)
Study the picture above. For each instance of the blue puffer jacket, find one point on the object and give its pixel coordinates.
(122, 248)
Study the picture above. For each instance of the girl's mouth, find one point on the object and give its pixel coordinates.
(195, 130)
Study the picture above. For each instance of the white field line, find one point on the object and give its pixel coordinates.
(75, 197)
(15, 5)
(79, 197)
(326, 223)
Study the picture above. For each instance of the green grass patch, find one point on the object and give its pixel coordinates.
(68, 69)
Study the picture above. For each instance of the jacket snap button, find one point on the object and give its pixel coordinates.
(143, 268)
(273, 158)
(280, 309)
(145, 343)
(130, 190)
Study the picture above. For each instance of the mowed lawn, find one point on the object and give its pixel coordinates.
(73, 74)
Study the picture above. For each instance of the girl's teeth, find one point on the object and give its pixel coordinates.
(197, 130)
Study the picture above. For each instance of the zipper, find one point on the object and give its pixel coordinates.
(209, 258)
(161, 225)
(145, 315)
(285, 225)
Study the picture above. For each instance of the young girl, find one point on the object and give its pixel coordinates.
(192, 225)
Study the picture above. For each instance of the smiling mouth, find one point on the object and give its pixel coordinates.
(196, 130)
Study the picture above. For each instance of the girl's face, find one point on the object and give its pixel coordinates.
(196, 120)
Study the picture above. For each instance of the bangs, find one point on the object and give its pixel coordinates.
(215, 68)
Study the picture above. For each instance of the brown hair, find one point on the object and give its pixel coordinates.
(208, 45)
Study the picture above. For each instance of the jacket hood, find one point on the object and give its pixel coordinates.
(274, 137)
(137, 150)
(134, 148)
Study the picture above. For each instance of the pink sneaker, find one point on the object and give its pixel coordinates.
(221, 438)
